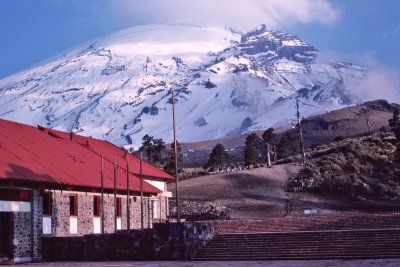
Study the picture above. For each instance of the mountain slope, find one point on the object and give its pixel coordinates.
(117, 87)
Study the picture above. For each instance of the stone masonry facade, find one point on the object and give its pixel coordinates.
(27, 235)
(60, 218)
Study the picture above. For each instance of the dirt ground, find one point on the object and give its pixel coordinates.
(259, 193)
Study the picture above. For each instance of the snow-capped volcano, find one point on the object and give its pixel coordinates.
(118, 87)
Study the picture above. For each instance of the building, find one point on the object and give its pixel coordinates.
(50, 184)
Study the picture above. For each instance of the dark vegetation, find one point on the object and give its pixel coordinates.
(363, 168)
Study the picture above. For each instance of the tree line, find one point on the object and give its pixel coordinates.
(255, 151)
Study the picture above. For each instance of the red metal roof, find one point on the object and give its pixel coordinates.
(47, 156)
(108, 150)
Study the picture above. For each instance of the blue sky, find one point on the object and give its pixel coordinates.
(355, 30)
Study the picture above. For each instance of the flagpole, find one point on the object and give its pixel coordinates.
(115, 194)
(141, 191)
(128, 219)
(102, 195)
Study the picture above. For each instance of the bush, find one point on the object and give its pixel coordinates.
(345, 169)
(338, 138)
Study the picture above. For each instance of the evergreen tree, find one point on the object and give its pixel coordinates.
(153, 148)
(284, 145)
(252, 149)
(148, 147)
(170, 166)
(159, 147)
(268, 139)
(269, 136)
(217, 157)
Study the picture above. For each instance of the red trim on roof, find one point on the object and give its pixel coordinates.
(26, 154)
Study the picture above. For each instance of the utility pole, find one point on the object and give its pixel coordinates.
(176, 160)
(300, 133)
(369, 126)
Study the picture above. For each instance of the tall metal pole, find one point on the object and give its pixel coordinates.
(300, 130)
(102, 195)
(115, 194)
(128, 218)
(141, 191)
(176, 161)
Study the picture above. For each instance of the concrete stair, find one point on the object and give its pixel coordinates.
(301, 238)
(338, 244)
(311, 223)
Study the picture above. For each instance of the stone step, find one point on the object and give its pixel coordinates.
(309, 246)
(297, 257)
(343, 244)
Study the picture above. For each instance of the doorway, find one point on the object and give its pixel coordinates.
(5, 235)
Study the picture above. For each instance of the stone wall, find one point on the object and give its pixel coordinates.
(27, 227)
(133, 245)
(63, 248)
(37, 230)
(60, 212)
(166, 241)
(22, 236)
(26, 236)
(181, 241)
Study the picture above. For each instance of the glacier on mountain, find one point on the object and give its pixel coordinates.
(118, 87)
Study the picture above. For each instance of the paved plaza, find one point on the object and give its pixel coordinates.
(302, 263)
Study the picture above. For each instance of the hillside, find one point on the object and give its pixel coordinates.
(262, 193)
(320, 129)
(360, 168)
(247, 194)
(356, 174)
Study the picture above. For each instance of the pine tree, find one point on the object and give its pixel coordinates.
(153, 148)
(268, 142)
(269, 136)
(148, 147)
(252, 149)
(217, 157)
(170, 166)
(285, 144)
(159, 147)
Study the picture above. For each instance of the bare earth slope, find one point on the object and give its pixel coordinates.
(260, 193)
(248, 194)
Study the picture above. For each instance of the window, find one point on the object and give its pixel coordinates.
(96, 206)
(118, 207)
(73, 205)
(47, 203)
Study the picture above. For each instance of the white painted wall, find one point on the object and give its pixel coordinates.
(47, 225)
(156, 215)
(96, 225)
(158, 184)
(119, 224)
(73, 225)
(15, 206)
